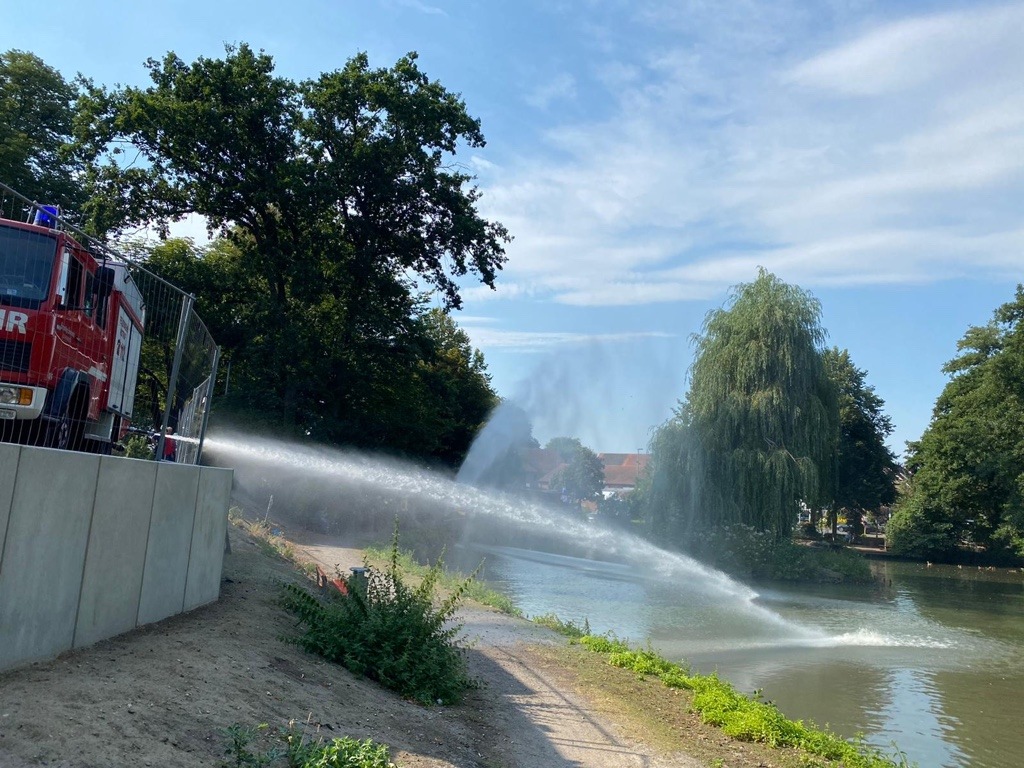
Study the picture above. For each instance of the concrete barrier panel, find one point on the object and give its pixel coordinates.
(112, 581)
(9, 455)
(206, 557)
(170, 535)
(40, 581)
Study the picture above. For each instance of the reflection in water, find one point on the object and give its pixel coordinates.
(911, 713)
(931, 660)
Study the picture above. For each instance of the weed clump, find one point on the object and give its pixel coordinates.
(388, 631)
(294, 749)
(475, 589)
(569, 629)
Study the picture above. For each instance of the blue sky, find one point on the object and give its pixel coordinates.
(649, 154)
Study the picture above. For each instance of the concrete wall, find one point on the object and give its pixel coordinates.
(93, 546)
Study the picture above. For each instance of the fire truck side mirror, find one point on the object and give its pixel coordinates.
(104, 282)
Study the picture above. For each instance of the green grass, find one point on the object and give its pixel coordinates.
(569, 629)
(263, 533)
(742, 717)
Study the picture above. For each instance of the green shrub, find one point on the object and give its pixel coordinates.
(138, 447)
(916, 530)
(295, 751)
(602, 644)
(388, 631)
(750, 554)
(475, 590)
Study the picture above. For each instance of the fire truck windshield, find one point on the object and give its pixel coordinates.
(26, 263)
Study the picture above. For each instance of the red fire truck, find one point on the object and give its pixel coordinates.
(71, 321)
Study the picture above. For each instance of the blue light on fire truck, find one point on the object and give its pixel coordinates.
(46, 216)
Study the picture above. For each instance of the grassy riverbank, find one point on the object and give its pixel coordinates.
(662, 704)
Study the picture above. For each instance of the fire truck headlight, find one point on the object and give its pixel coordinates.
(15, 396)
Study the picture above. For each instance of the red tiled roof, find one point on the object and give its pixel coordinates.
(621, 470)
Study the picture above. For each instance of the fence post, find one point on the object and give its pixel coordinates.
(172, 385)
(209, 402)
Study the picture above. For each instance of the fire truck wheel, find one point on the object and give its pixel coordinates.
(65, 433)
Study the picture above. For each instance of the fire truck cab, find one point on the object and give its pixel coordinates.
(70, 337)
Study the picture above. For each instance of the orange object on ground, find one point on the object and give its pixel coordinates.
(322, 580)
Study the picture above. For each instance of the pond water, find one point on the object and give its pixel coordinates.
(928, 658)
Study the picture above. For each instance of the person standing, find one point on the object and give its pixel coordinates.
(170, 446)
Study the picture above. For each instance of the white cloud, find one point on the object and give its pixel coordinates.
(421, 7)
(702, 172)
(474, 319)
(561, 87)
(907, 53)
(544, 341)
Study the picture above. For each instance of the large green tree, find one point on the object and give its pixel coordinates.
(343, 207)
(37, 109)
(456, 394)
(758, 428)
(565, 447)
(427, 399)
(865, 468)
(967, 470)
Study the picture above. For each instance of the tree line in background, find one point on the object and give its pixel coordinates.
(342, 224)
(966, 473)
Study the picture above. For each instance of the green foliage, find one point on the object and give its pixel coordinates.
(865, 467)
(583, 475)
(138, 447)
(616, 509)
(567, 628)
(388, 631)
(337, 201)
(742, 717)
(967, 481)
(295, 750)
(453, 392)
(757, 431)
(36, 115)
(448, 580)
(602, 644)
(565, 447)
(750, 554)
(919, 530)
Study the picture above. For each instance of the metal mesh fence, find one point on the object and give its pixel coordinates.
(97, 352)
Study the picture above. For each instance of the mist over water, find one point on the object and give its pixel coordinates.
(608, 394)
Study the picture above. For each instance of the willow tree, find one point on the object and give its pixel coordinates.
(757, 432)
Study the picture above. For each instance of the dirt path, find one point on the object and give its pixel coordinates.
(163, 695)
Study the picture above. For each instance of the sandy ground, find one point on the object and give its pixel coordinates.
(163, 695)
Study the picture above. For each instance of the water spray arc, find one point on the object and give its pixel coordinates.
(256, 460)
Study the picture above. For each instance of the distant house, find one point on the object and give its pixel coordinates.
(622, 471)
(539, 467)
